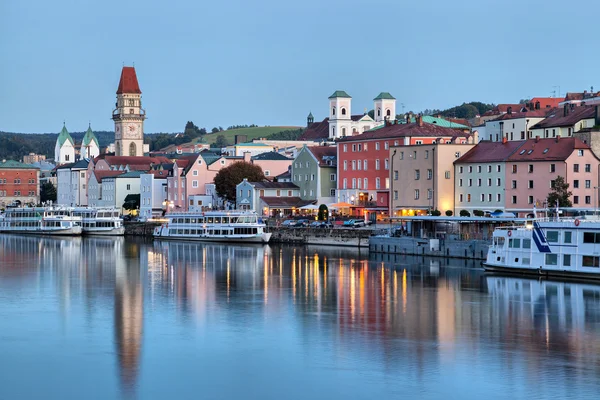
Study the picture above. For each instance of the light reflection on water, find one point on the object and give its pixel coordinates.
(109, 318)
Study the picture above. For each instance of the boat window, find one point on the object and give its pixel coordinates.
(525, 261)
(187, 220)
(551, 259)
(225, 220)
(591, 237)
(590, 261)
(217, 220)
(567, 236)
(526, 243)
(209, 220)
(500, 242)
(186, 231)
(552, 236)
(193, 220)
(201, 220)
(514, 243)
(517, 260)
(566, 260)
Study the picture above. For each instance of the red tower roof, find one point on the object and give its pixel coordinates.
(128, 82)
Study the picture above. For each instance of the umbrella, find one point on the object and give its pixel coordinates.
(340, 205)
(309, 207)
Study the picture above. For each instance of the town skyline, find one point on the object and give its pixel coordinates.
(233, 77)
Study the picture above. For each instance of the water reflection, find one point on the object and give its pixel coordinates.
(422, 327)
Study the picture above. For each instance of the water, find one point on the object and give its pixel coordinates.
(113, 318)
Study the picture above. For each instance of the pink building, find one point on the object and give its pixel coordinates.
(532, 168)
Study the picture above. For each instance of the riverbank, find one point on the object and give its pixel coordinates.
(449, 248)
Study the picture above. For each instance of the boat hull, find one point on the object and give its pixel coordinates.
(74, 231)
(104, 231)
(263, 239)
(543, 273)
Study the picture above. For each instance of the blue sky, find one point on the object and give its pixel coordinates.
(270, 62)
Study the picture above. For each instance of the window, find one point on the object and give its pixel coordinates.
(359, 147)
(460, 198)
(470, 169)
(514, 184)
(489, 181)
(365, 183)
(552, 236)
(414, 155)
(514, 243)
(460, 170)
(551, 259)
(588, 184)
(426, 154)
(353, 183)
(588, 200)
(530, 184)
(416, 194)
(332, 193)
(588, 168)
(552, 184)
(447, 174)
(195, 184)
(429, 174)
(395, 175)
(469, 198)
(498, 182)
(377, 183)
(345, 165)
(386, 146)
(530, 200)
(490, 197)
(365, 165)
(395, 195)
(376, 145)
(418, 142)
(489, 168)
(479, 168)
(482, 197)
(195, 173)
(354, 148)
(580, 153)
(479, 182)
(576, 184)
(575, 199)
(377, 164)
(530, 168)
(590, 261)
(333, 111)
(386, 163)
(460, 182)
(566, 260)
(552, 168)
(514, 169)
(345, 148)
(575, 167)
(526, 243)
(345, 186)
(332, 177)
(498, 199)
(402, 155)
(312, 177)
(128, 187)
(514, 199)
(429, 194)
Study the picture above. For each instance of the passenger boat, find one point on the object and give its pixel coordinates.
(100, 221)
(552, 248)
(41, 221)
(215, 226)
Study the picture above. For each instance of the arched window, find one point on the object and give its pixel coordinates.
(379, 112)
(388, 112)
(333, 131)
(132, 149)
(343, 111)
(343, 131)
(333, 111)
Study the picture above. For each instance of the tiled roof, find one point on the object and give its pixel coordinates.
(99, 175)
(274, 185)
(504, 108)
(11, 164)
(286, 175)
(286, 202)
(358, 117)
(552, 149)
(340, 93)
(316, 131)
(81, 164)
(558, 118)
(324, 153)
(545, 102)
(128, 82)
(404, 130)
(486, 151)
(271, 156)
(131, 174)
(133, 160)
(384, 96)
(523, 114)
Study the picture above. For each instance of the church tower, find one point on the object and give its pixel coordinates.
(64, 150)
(89, 145)
(340, 121)
(384, 107)
(129, 116)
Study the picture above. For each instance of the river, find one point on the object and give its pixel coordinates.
(110, 318)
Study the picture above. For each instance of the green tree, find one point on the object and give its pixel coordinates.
(47, 192)
(560, 191)
(323, 213)
(436, 213)
(221, 141)
(464, 213)
(132, 202)
(478, 213)
(214, 130)
(229, 177)
(449, 213)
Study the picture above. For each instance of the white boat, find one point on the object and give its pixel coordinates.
(100, 221)
(40, 221)
(552, 248)
(215, 226)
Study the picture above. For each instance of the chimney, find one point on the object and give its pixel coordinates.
(597, 117)
(247, 156)
(566, 110)
(407, 117)
(419, 120)
(504, 140)
(557, 138)
(537, 139)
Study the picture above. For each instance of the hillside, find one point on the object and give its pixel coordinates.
(251, 133)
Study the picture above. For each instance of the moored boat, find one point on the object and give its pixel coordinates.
(215, 226)
(100, 221)
(40, 221)
(554, 248)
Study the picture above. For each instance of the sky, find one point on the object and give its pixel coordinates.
(271, 62)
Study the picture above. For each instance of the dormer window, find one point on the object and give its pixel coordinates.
(546, 150)
(522, 152)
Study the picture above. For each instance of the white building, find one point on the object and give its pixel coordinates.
(254, 148)
(64, 150)
(512, 126)
(116, 188)
(153, 193)
(71, 187)
(89, 145)
(343, 123)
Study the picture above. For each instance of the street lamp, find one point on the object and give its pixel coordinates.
(171, 205)
(352, 199)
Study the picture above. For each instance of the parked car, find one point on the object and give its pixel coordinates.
(302, 223)
(354, 223)
(321, 224)
(289, 223)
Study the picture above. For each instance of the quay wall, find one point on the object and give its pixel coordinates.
(327, 237)
(450, 248)
(140, 228)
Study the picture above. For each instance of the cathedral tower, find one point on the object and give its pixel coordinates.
(129, 116)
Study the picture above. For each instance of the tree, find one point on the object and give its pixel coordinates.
(47, 192)
(132, 202)
(464, 213)
(214, 130)
(449, 213)
(560, 191)
(229, 177)
(478, 213)
(221, 141)
(323, 213)
(436, 213)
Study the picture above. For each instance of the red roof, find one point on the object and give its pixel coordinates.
(486, 151)
(406, 130)
(558, 118)
(524, 114)
(324, 151)
(106, 174)
(128, 82)
(545, 102)
(552, 149)
(503, 108)
(135, 160)
(317, 130)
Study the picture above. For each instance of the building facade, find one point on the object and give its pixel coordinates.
(64, 150)
(129, 116)
(314, 171)
(19, 184)
(72, 179)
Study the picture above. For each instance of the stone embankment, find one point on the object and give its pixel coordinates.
(469, 249)
(355, 237)
(140, 228)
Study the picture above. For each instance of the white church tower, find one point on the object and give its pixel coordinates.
(64, 150)
(340, 121)
(129, 116)
(385, 107)
(89, 145)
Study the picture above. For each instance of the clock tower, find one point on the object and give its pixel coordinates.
(129, 116)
